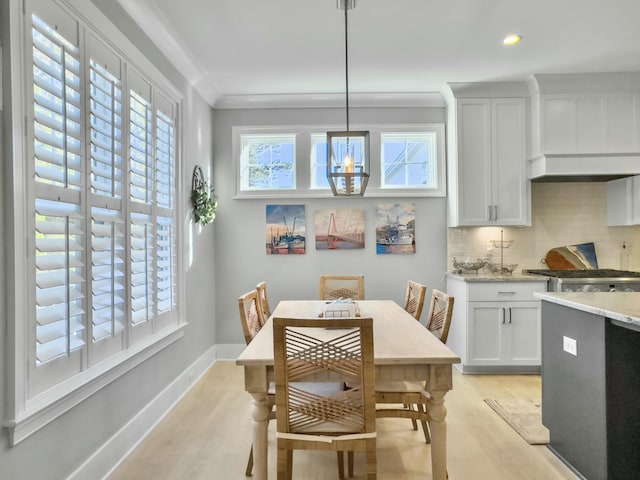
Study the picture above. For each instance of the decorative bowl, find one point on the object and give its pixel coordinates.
(469, 264)
(507, 268)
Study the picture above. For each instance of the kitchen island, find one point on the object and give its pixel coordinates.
(591, 381)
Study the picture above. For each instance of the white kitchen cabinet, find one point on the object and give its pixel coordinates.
(487, 161)
(496, 325)
(623, 201)
(585, 113)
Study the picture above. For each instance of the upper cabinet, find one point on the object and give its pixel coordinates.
(623, 202)
(486, 154)
(584, 125)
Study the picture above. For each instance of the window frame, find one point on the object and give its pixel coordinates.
(304, 166)
(27, 410)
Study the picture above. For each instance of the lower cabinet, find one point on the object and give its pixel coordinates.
(496, 325)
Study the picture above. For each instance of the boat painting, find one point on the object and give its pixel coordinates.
(395, 228)
(285, 232)
(339, 229)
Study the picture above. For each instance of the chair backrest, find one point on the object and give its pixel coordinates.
(310, 356)
(251, 317)
(440, 311)
(264, 299)
(333, 287)
(414, 301)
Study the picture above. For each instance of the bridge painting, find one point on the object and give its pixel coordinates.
(341, 228)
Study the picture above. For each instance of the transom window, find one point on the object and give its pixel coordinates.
(268, 162)
(408, 160)
(405, 161)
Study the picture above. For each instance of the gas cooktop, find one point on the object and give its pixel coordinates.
(596, 273)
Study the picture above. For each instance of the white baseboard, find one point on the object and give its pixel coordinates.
(116, 449)
(229, 351)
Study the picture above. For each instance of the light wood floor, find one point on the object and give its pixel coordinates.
(208, 434)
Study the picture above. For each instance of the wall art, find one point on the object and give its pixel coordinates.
(340, 228)
(286, 229)
(395, 228)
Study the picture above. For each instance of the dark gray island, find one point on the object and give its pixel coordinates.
(591, 381)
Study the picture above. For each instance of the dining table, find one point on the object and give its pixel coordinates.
(404, 350)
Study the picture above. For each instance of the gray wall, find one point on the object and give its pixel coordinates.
(58, 449)
(241, 260)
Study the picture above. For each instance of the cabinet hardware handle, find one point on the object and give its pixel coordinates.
(490, 212)
(502, 312)
(495, 212)
(509, 315)
(506, 292)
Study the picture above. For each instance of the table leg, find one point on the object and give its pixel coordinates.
(438, 427)
(260, 414)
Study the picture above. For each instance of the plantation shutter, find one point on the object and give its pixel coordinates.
(165, 158)
(140, 149)
(142, 305)
(59, 222)
(108, 254)
(141, 192)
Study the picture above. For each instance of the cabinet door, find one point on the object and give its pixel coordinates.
(485, 342)
(510, 188)
(522, 333)
(623, 201)
(474, 161)
(504, 333)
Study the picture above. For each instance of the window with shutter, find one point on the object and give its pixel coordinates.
(166, 273)
(108, 255)
(60, 259)
(98, 279)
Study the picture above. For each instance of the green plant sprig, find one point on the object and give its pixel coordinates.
(205, 204)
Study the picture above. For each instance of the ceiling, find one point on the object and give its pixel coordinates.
(239, 52)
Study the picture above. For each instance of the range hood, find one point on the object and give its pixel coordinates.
(584, 127)
(583, 167)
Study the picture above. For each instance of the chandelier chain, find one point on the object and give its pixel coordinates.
(346, 61)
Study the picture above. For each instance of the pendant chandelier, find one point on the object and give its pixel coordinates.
(347, 152)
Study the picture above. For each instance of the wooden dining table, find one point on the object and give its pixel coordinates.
(404, 350)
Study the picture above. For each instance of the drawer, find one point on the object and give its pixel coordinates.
(503, 291)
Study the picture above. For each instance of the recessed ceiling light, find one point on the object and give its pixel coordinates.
(512, 39)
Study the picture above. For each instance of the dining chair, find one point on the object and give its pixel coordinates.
(252, 320)
(264, 299)
(414, 299)
(440, 311)
(413, 394)
(333, 287)
(312, 359)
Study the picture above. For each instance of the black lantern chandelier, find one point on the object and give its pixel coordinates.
(347, 152)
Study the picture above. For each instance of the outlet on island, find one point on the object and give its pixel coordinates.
(570, 345)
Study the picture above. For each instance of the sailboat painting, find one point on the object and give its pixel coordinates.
(286, 230)
(340, 228)
(395, 228)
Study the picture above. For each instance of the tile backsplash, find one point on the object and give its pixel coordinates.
(561, 214)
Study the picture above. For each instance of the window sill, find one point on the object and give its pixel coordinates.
(49, 405)
(369, 193)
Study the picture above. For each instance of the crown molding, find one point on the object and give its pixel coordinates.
(331, 100)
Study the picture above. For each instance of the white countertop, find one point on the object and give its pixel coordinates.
(492, 277)
(621, 306)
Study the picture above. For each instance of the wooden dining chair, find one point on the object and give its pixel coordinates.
(252, 320)
(440, 311)
(264, 299)
(412, 395)
(414, 299)
(312, 359)
(333, 287)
